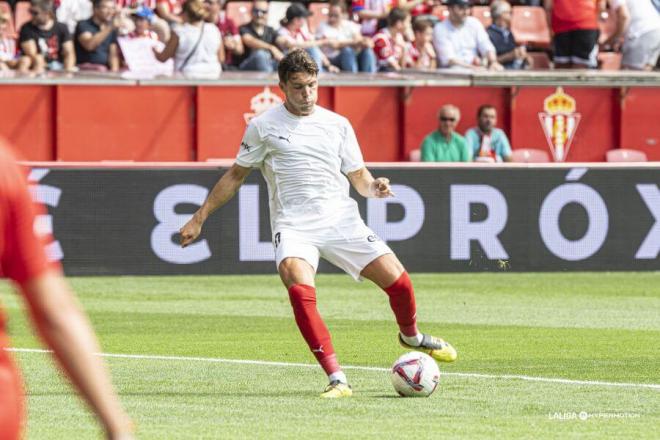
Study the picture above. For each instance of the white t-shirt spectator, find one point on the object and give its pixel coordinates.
(464, 43)
(346, 31)
(643, 17)
(204, 61)
(70, 12)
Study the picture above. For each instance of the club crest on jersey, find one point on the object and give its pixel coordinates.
(559, 121)
(262, 102)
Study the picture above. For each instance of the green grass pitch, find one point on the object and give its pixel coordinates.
(596, 328)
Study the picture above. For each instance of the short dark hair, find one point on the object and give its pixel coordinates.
(340, 3)
(97, 3)
(483, 108)
(44, 5)
(396, 15)
(296, 61)
(421, 24)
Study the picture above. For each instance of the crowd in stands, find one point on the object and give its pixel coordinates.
(202, 37)
(482, 143)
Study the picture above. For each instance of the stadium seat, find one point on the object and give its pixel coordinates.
(529, 26)
(625, 155)
(415, 155)
(319, 14)
(482, 13)
(530, 155)
(441, 12)
(609, 61)
(22, 14)
(4, 7)
(541, 60)
(240, 12)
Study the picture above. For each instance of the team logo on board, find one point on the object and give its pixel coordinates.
(262, 102)
(560, 122)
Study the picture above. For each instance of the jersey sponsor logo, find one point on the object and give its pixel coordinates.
(560, 122)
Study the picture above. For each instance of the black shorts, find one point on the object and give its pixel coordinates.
(577, 47)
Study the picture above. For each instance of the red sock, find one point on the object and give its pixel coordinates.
(312, 327)
(402, 302)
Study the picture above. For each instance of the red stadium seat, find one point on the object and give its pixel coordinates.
(415, 155)
(529, 26)
(482, 13)
(441, 12)
(625, 155)
(530, 155)
(609, 61)
(22, 14)
(4, 7)
(541, 60)
(240, 12)
(319, 14)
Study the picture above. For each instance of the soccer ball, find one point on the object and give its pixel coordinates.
(415, 374)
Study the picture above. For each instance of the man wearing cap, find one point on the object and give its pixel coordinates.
(461, 41)
(295, 35)
(260, 41)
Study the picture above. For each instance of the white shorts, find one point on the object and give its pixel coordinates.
(349, 248)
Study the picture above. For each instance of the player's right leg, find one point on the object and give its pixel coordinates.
(298, 276)
(11, 398)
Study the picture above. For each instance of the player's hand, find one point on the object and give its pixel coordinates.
(190, 231)
(380, 188)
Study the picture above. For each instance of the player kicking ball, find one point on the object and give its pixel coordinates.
(305, 153)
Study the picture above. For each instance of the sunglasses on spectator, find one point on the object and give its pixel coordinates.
(446, 119)
(257, 11)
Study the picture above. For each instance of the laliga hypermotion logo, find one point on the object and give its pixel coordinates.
(559, 122)
(262, 102)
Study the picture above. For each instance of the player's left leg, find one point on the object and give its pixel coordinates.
(389, 274)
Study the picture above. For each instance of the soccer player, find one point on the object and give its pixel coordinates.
(306, 153)
(57, 317)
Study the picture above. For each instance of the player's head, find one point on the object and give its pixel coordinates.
(486, 118)
(298, 74)
(41, 11)
(448, 118)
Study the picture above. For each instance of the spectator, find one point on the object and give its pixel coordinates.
(260, 41)
(461, 40)
(96, 38)
(509, 54)
(389, 42)
(170, 11)
(156, 24)
(574, 24)
(640, 23)
(486, 142)
(231, 39)
(45, 43)
(444, 144)
(421, 54)
(295, 35)
(345, 46)
(417, 8)
(372, 14)
(141, 19)
(195, 45)
(70, 12)
(8, 60)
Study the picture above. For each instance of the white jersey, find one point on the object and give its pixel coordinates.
(302, 159)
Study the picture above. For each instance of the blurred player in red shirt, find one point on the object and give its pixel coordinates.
(54, 310)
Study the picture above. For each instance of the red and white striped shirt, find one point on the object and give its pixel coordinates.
(386, 47)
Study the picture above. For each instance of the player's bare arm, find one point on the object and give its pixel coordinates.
(365, 184)
(221, 193)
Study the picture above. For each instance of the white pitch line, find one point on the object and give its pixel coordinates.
(652, 386)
